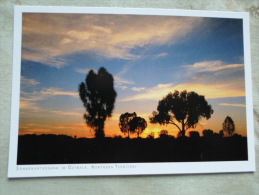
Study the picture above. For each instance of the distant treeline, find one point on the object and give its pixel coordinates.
(62, 149)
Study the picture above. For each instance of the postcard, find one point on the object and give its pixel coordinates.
(123, 91)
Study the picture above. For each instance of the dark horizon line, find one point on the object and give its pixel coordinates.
(126, 137)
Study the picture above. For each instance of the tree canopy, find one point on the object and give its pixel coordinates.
(207, 133)
(124, 123)
(182, 109)
(228, 126)
(163, 134)
(98, 96)
(194, 134)
(138, 125)
(130, 123)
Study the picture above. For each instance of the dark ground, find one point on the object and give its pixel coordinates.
(62, 149)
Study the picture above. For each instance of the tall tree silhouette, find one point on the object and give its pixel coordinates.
(186, 108)
(124, 123)
(98, 96)
(138, 125)
(228, 126)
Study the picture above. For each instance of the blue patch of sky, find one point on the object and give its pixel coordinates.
(220, 39)
(87, 60)
(232, 100)
(229, 106)
(61, 103)
(49, 77)
(222, 108)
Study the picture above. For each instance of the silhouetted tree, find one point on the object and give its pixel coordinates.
(228, 126)
(194, 134)
(221, 133)
(124, 123)
(163, 134)
(138, 125)
(98, 96)
(117, 137)
(236, 135)
(187, 108)
(151, 135)
(207, 133)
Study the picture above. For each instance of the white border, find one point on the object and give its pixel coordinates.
(17, 171)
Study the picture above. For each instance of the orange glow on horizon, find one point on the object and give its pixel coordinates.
(111, 129)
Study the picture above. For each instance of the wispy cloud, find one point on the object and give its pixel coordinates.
(160, 55)
(47, 92)
(59, 112)
(122, 83)
(27, 105)
(138, 88)
(57, 92)
(28, 82)
(31, 96)
(213, 66)
(83, 70)
(29, 100)
(215, 90)
(215, 73)
(112, 36)
(154, 93)
(235, 105)
(123, 87)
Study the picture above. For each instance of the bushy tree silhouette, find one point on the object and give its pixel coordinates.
(124, 123)
(187, 108)
(138, 125)
(194, 134)
(163, 134)
(151, 136)
(207, 133)
(130, 123)
(98, 96)
(228, 126)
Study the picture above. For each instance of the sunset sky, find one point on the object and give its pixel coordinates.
(148, 56)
